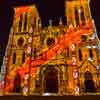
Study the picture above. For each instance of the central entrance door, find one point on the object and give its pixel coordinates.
(51, 80)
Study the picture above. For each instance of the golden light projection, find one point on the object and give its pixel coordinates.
(54, 60)
(23, 9)
(46, 56)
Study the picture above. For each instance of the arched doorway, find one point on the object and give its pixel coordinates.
(89, 83)
(17, 84)
(50, 81)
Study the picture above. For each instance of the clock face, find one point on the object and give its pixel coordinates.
(50, 41)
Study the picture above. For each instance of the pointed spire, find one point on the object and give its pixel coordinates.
(60, 21)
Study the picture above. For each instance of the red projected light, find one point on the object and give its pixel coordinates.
(62, 43)
(30, 66)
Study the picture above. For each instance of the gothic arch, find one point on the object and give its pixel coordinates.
(50, 72)
(88, 82)
(82, 15)
(87, 75)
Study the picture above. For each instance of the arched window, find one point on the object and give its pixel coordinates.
(34, 23)
(68, 53)
(35, 52)
(23, 57)
(42, 38)
(76, 16)
(90, 53)
(82, 16)
(80, 54)
(25, 22)
(14, 57)
(20, 23)
(84, 38)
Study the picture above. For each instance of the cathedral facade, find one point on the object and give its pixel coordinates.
(60, 60)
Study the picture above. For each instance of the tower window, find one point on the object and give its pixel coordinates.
(84, 38)
(23, 57)
(42, 38)
(80, 55)
(20, 42)
(76, 17)
(20, 23)
(68, 53)
(14, 58)
(82, 15)
(35, 52)
(35, 22)
(25, 22)
(90, 53)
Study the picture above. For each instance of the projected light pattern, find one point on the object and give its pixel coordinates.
(68, 38)
(25, 9)
(52, 60)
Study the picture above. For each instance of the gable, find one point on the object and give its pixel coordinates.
(87, 66)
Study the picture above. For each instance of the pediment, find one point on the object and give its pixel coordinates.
(88, 66)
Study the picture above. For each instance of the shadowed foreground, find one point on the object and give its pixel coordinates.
(19, 97)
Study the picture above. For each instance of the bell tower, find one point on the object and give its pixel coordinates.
(77, 12)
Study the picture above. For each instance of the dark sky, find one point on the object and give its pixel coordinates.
(95, 11)
(48, 9)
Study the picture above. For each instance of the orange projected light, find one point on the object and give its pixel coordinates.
(19, 11)
(31, 9)
(67, 38)
(30, 66)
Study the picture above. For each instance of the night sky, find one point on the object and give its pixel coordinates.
(48, 9)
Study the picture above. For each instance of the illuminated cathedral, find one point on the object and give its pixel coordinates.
(60, 60)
